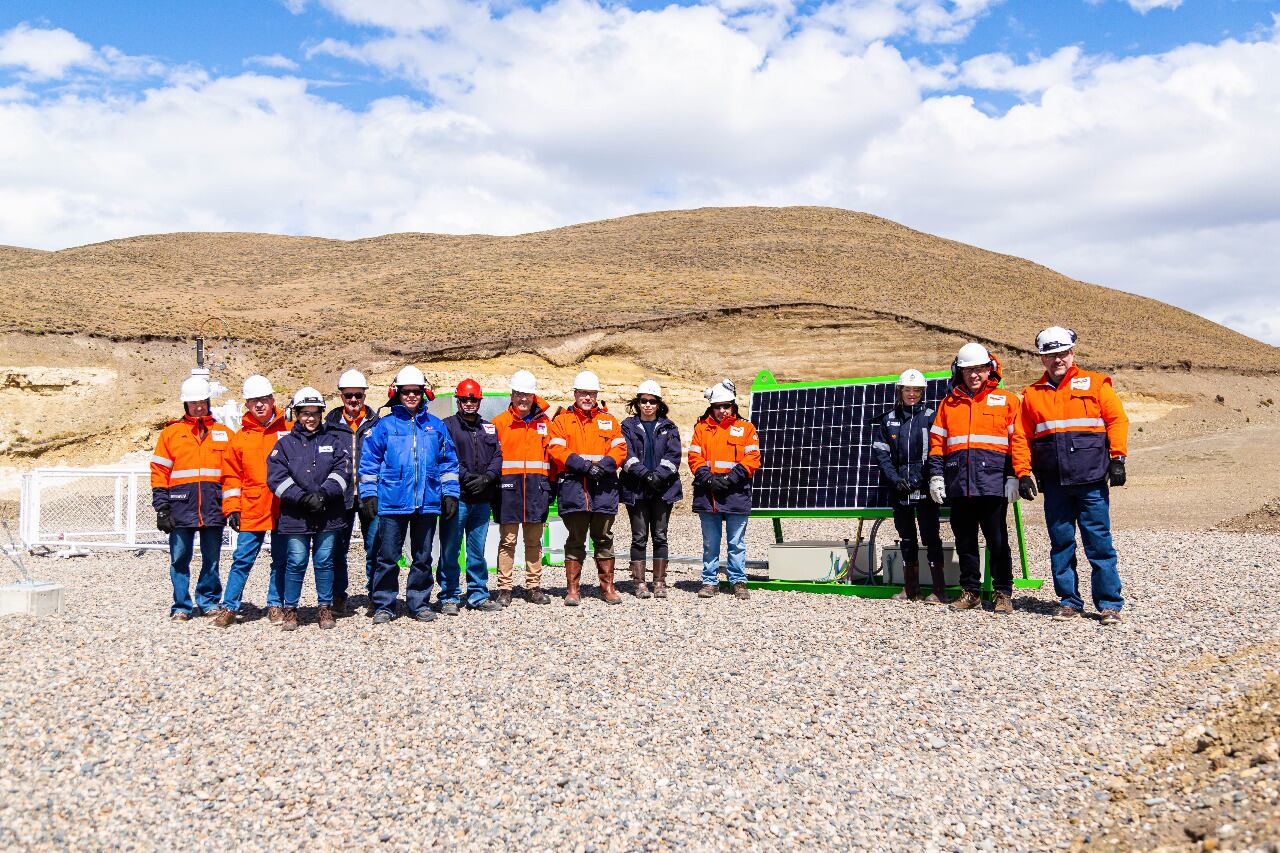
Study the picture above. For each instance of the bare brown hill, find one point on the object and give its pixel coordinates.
(424, 295)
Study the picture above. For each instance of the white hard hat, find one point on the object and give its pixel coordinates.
(972, 355)
(352, 379)
(308, 396)
(586, 381)
(410, 376)
(650, 387)
(524, 382)
(194, 389)
(722, 392)
(1055, 339)
(912, 378)
(257, 385)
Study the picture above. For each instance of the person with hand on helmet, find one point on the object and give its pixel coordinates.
(650, 482)
(901, 448)
(524, 492)
(480, 468)
(249, 505)
(308, 470)
(409, 479)
(724, 454)
(186, 491)
(587, 449)
(971, 470)
(1075, 439)
(356, 416)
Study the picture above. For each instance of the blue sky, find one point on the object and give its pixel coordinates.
(1124, 142)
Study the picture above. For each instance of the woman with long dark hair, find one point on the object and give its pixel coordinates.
(650, 483)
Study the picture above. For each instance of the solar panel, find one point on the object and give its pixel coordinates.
(815, 442)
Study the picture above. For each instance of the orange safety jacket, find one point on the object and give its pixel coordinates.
(1074, 430)
(972, 437)
(578, 440)
(244, 472)
(732, 448)
(524, 491)
(186, 471)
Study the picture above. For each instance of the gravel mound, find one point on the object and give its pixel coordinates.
(789, 720)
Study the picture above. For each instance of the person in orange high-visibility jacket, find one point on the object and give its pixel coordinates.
(587, 450)
(249, 506)
(724, 454)
(524, 489)
(971, 470)
(1078, 437)
(186, 492)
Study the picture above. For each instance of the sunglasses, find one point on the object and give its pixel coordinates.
(410, 392)
(357, 395)
(648, 401)
(468, 399)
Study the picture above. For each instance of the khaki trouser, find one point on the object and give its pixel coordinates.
(579, 524)
(532, 553)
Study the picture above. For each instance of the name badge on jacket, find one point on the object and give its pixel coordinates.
(996, 399)
(489, 428)
(1080, 383)
(737, 430)
(221, 436)
(326, 449)
(542, 428)
(606, 424)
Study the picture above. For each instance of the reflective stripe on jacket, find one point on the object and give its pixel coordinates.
(730, 447)
(303, 462)
(971, 437)
(338, 417)
(478, 448)
(579, 440)
(524, 492)
(666, 438)
(186, 471)
(901, 449)
(1073, 430)
(244, 472)
(411, 461)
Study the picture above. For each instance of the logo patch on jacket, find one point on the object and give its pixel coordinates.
(737, 430)
(275, 452)
(606, 424)
(1080, 383)
(996, 399)
(326, 449)
(542, 428)
(489, 428)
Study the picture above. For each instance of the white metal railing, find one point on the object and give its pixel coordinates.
(89, 507)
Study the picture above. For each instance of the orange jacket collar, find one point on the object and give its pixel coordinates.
(250, 422)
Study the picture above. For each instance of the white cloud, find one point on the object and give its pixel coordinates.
(42, 53)
(1145, 6)
(273, 60)
(1152, 174)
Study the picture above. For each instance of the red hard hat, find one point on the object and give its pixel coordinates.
(468, 388)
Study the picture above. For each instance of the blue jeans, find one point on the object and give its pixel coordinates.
(208, 584)
(343, 545)
(1088, 506)
(713, 526)
(248, 544)
(319, 547)
(421, 528)
(474, 519)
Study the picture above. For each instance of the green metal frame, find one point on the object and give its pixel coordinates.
(765, 381)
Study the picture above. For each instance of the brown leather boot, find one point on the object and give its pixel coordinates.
(275, 615)
(604, 571)
(970, 600)
(290, 621)
(503, 597)
(339, 606)
(659, 578)
(637, 579)
(225, 618)
(573, 582)
(535, 595)
(910, 583)
(326, 619)
(939, 579)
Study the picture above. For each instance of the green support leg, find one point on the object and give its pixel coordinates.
(777, 530)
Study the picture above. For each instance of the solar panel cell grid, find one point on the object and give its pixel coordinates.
(816, 445)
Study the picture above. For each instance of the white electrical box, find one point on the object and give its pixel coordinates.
(34, 598)
(815, 561)
(891, 564)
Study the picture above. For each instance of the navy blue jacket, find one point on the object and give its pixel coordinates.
(901, 449)
(304, 462)
(479, 452)
(335, 418)
(411, 461)
(666, 437)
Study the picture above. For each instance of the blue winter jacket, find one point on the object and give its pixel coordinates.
(411, 461)
(303, 462)
(666, 435)
(479, 452)
(901, 448)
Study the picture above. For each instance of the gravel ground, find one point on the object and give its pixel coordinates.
(790, 720)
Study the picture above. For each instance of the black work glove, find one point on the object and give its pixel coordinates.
(903, 487)
(484, 482)
(596, 472)
(369, 509)
(470, 485)
(1027, 487)
(448, 507)
(656, 482)
(719, 484)
(312, 502)
(1115, 473)
(234, 520)
(164, 521)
